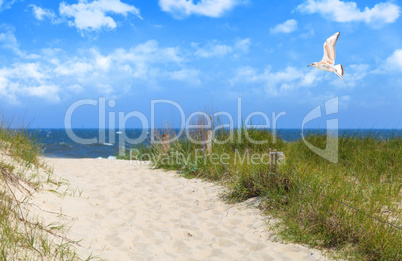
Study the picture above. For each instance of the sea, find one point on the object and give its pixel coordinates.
(59, 143)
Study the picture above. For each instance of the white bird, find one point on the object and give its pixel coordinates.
(328, 60)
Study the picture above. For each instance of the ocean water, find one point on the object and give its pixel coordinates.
(57, 142)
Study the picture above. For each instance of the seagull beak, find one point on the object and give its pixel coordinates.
(309, 65)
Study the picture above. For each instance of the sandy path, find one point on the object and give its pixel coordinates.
(128, 212)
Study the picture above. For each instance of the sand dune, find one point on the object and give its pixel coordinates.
(132, 212)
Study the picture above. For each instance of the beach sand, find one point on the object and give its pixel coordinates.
(124, 211)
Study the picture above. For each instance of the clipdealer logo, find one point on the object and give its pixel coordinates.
(331, 108)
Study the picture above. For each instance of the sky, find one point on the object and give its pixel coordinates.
(64, 63)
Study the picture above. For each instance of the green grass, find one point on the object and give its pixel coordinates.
(21, 237)
(353, 206)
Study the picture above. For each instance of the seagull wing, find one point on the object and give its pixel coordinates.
(329, 49)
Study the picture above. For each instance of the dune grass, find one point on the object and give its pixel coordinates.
(353, 206)
(21, 236)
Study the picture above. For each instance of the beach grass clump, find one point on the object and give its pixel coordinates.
(353, 205)
(19, 143)
(22, 237)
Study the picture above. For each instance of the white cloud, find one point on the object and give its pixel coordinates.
(93, 16)
(310, 78)
(102, 62)
(327, 97)
(75, 88)
(6, 4)
(49, 92)
(191, 76)
(391, 65)
(212, 49)
(146, 62)
(56, 75)
(148, 52)
(27, 70)
(215, 49)
(243, 45)
(211, 8)
(287, 27)
(42, 13)
(27, 80)
(8, 41)
(357, 72)
(138, 62)
(340, 11)
(291, 79)
(394, 62)
(276, 83)
(72, 67)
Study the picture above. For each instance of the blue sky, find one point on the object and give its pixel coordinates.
(203, 55)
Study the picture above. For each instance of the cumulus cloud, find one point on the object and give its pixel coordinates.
(243, 45)
(276, 83)
(339, 11)
(27, 79)
(56, 74)
(216, 49)
(146, 62)
(291, 80)
(7, 39)
(190, 76)
(9, 42)
(211, 8)
(75, 88)
(49, 92)
(42, 13)
(6, 4)
(92, 16)
(286, 27)
(74, 67)
(394, 62)
(357, 71)
(212, 49)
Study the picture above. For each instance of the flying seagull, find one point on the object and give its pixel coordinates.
(328, 60)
